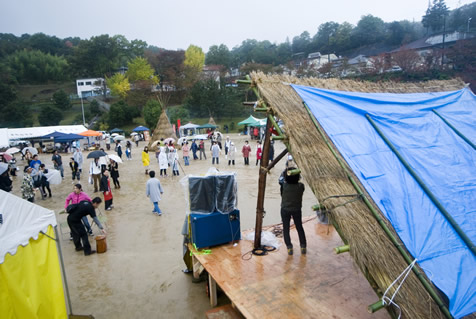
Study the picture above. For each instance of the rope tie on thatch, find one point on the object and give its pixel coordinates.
(356, 198)
(389, 301)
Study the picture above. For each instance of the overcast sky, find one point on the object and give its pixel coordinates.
(175, 24)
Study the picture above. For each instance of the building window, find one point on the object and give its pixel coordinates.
(80, 83)
(88, 83)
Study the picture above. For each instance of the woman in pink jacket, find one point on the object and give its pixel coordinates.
(74, 198)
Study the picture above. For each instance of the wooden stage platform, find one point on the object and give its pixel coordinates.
(320, 284)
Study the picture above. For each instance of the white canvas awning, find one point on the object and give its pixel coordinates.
(4, 137)
(21, 220)
(32, 132)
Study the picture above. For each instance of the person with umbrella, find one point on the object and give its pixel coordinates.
(105, 187)
(114, 169)
(119, 149)
(5, 181)
(76, 214)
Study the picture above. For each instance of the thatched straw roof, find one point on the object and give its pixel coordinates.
(212, 121)
(163, 129)
(372, 251)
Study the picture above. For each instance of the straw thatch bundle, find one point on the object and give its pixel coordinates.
(372, 251)
(163, 129)
(212, 121)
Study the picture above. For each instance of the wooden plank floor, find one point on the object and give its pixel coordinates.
(320, 284)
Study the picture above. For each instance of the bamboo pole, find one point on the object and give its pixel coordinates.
(295, 171)
(455, 130)
(408, 259)
(375, 306)
(262, 186)
(342, 249)
(425, 188)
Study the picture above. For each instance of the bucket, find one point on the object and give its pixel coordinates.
(101, 244)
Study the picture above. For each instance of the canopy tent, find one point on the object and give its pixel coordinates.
(140, 129)
(68, 138)
(189, 127)
(90, 133)
(208, 125)
(54, 134)
(116, 130)
(30, 277)
(428, 173)
(250, 120)
(253, 121)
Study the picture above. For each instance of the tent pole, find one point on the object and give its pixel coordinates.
(58, 245)
(408, 259)
(262, 186)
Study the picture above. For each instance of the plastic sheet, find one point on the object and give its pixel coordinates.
(442, 159)
(267, 239)
(213, 192)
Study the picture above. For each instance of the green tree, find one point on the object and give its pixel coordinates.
(50, 115)
(36, 67)
(325, 34)
(151, 111)
(435, 16)
(61, 100)
(369, 30)
(94, 108)
(175, 113)
(301, 43)
(218, 55)
(16, 114)
(119, 114)
(118, 84)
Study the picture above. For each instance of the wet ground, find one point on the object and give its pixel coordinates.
(140, 276)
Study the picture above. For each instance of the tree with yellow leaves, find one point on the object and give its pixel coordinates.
(119, 85)
(141, 73)
(194, 62)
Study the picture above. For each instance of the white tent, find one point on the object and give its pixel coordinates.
(32, 132)
(4, 137)
(30, 277)
(184, 128)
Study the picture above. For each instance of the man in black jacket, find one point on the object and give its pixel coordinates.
(76, 213)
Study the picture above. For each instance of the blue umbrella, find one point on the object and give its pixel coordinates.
(140, 129)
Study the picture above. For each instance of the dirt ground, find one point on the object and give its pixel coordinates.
(140, 276)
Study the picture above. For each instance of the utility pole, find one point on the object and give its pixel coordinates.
(82, 109)
(444, 34)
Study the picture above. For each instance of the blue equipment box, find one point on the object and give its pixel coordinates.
(215, 228)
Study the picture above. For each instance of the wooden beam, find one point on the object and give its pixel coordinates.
(262, 186)
(277, 159)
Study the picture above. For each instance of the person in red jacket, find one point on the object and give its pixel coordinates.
(259, 152)
(246, 150)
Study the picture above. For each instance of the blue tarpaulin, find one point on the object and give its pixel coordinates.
(442, 159)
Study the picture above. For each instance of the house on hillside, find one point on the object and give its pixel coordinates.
(90, 87)
(315, 60)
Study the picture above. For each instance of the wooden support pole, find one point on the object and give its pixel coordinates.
(262, 186)
(277, 159)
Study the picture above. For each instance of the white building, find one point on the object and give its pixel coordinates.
(89, 87)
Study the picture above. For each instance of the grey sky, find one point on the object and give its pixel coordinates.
(176, 24)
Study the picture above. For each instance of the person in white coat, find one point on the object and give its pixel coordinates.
(231, 153)
(78, 158)
(154, 191)
(163, 161)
